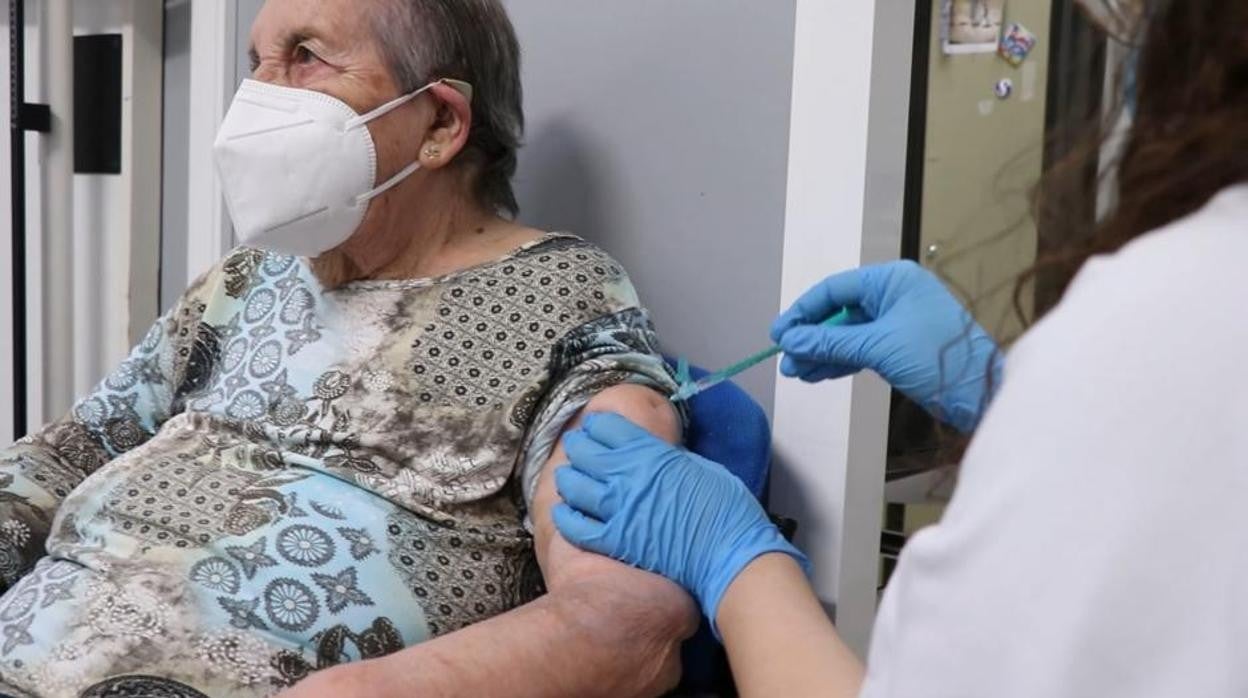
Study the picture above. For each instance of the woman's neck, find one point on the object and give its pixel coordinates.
(435, 247)
(407, 237)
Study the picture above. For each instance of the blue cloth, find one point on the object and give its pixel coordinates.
(728, 427)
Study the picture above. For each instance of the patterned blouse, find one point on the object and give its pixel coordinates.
(282, 478)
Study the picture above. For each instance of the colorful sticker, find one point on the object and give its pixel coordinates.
(1016, 44)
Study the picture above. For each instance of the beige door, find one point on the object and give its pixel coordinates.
(984, 155)
(982, 159)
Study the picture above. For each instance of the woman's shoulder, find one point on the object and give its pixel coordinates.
(1154, 330)
(564, 248)
(1109, 464)
(1187, 259)
(238, 275)
(565, 274)
(572, 259)
(243, 269)
(1183, 278)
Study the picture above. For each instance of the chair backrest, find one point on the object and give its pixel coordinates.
(728, 427)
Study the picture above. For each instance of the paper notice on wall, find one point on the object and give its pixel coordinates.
(972, 26)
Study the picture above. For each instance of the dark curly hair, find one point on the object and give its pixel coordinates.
(473, 41)
(1188, 139)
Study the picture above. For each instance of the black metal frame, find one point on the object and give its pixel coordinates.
(23, 117)
(1077, 65)
(913, 437)
(916, 142)
(17, 179)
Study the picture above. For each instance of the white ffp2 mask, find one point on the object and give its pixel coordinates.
(298, 167)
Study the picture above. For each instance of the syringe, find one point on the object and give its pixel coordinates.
(688, 389)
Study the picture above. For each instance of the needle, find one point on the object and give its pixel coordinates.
(688, 389)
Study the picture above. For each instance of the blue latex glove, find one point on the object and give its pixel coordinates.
(906, 327)
(636, 498)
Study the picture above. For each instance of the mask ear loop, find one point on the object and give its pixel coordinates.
(463, 87)
(385, 108)
(388, 184)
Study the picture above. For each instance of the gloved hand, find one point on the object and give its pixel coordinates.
(633, 497)
(906, 327)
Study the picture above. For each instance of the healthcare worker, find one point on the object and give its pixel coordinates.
(1097, 543)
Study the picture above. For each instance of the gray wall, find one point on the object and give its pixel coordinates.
(176, 130)
(177, 125)
(659, 130)
(247, 11)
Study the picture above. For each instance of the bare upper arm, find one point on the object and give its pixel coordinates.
(558, 558)
(621, 606)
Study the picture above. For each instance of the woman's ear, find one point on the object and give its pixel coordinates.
(451, 126)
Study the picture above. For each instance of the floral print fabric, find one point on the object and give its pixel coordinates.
(280, 478)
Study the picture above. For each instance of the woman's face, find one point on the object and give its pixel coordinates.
(329, 46)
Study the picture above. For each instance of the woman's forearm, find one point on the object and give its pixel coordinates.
(780, 642)
(603, 637)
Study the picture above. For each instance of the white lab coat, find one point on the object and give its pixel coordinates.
(1097, 544)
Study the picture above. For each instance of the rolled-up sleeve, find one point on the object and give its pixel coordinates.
(616, 349)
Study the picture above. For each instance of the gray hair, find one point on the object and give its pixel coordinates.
(473, 41)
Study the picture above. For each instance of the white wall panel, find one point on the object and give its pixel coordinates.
(845, 184)
(214, 33)
(114, 260)
(117, 217)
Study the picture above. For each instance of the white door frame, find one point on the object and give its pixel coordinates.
(103, 269)
(116, 218)
(214, 28)
(847, 159)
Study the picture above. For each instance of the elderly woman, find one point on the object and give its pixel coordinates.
(326, 468)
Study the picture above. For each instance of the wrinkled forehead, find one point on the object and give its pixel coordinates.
(339, 24)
